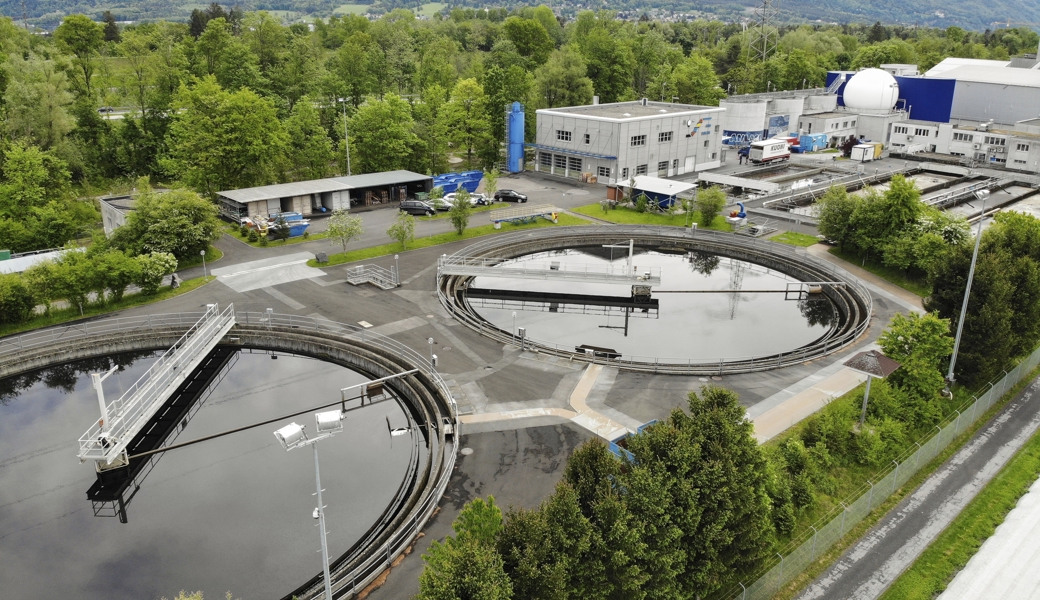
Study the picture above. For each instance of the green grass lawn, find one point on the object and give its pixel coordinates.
(233, 231)
(212, 254)
(431, 8)
(792, 238)
(826, 558)
(65, 315)
(440, 238)
(940, 562)
(351, 9)
(629, 216)
(895, 276)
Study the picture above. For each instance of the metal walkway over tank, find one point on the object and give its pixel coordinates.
(122, 419)
(548, 270)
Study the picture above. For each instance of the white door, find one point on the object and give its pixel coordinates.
(690, 163)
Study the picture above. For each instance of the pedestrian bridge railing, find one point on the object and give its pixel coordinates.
(122, 418)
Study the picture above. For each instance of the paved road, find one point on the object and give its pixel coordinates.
(867, 569)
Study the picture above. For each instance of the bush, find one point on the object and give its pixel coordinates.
(153, 267)
(254, 236)
(263, 240)
(16, 301)
(243, 231)
(642, 203)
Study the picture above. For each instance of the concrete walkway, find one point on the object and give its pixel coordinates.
(776, 420)
(582, 415)
(867, 569)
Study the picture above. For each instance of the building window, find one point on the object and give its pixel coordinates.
(573, 163)
(638, 140)
(1020, 162)
(545, 159)
(716, 129)
(800, 125)
(853, 123)
(713, 156)
(922, 132)
(641, 169)
(1022, 147)
(662, 167)
(603, 172)
(675, 163)
(559, 161)
(664, 136)
(624, 173)
(899, 129)
(588, 139)
(845, 125)
(963, 137)
(995, 141)
(705, 143)
(563, 136)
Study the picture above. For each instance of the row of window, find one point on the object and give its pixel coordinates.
(963, 137)
(637, 140)
(573, 163)
(995, 141)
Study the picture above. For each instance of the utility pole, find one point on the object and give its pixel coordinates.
(346, 139)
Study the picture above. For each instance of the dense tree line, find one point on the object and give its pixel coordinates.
(895, 229)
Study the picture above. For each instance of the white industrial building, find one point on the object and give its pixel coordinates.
(618, 141)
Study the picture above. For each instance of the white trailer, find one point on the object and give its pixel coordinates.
(767, 151)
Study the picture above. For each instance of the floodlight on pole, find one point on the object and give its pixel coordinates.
(982, 195)
(346, 138)
(294, 436)
(204, 272)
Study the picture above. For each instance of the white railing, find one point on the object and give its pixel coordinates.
(378, 276)
(494, 267)
(124, 417)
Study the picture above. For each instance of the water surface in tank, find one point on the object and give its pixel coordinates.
(699, 317)
(232, 514)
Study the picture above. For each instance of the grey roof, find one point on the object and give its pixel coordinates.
(872, 363)
(320, 186)
(285, 190)
(623, 111)
(121, 203)
(999, 76)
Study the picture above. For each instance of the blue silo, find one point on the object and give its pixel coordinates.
(515, 132)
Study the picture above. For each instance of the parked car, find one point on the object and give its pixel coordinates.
(440, 203)
(105, 110)
(416, 207)
(474, 199)
(510, 196)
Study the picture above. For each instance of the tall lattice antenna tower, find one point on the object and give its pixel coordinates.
(764, 35)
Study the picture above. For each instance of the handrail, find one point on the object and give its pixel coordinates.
(345, 582)
(127, 414)
(854, 296)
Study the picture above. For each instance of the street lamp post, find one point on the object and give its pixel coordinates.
(203, 254)
(514, 327)
(294, 436)
(397, 270)
(982, 195)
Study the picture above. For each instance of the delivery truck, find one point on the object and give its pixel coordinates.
(768, 151)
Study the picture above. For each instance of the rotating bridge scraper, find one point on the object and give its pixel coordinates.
(121, 420)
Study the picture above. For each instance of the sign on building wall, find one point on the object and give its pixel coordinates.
(743, 138)
(779, 125)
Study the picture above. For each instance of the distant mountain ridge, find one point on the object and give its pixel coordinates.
(968, 14)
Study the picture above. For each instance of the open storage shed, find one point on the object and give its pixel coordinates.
(322, 196)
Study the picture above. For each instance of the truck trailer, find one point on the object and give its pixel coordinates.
(768, 151)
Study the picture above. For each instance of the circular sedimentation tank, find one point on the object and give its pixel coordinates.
(726, 303)
(232, 513)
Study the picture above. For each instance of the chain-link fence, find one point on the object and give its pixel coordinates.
(802, 551)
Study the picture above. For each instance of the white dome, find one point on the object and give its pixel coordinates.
(871, 89)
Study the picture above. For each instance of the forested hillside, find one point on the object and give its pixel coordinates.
(236, 99)
(923, 13)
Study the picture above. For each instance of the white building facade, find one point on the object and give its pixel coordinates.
(618, 141)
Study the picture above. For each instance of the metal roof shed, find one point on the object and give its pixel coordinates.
(662, 191)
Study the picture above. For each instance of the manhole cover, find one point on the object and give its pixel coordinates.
(716, 378)
(466, 451)
(703, 378)
(488, 368)
(445, 347)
